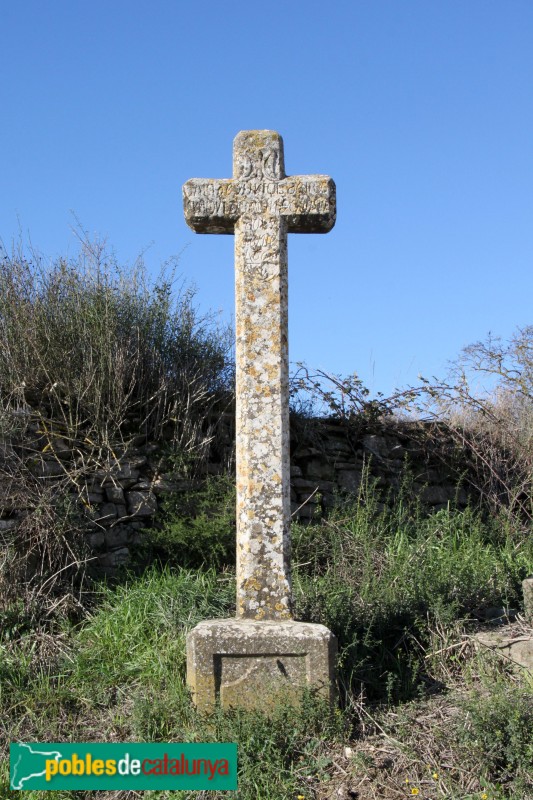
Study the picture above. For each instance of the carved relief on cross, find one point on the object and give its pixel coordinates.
(260, 205)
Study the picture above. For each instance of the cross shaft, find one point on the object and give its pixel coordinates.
(260, 205)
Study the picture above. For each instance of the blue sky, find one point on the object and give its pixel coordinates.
(421, 111)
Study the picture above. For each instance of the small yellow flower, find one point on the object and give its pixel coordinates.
(435, 776)
(300, 797)
(414, 790)
(407, 780)
(484, 796)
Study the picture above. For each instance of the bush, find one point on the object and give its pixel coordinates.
(495, 730)
(92, 358)
(484, 406)
(105, 351)
(486, 403)
(198, 527)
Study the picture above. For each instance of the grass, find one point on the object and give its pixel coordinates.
(400, 590)
(382, 580)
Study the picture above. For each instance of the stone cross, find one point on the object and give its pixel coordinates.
(260, 205)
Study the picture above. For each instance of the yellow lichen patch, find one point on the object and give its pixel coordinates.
(252, 584)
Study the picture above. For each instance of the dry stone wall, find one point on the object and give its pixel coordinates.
(330, 461)
(121, 497)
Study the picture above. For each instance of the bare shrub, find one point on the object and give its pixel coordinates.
(94, 359)
(479, 420)
(105, 350)
(486, 405)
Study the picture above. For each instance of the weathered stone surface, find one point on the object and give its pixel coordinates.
(143, 484)
(515, 646)
(117, 536)
(260, 659)
(349, 480)
(376, 445)
(96, 539)
(114, 559)
(141, 504)
(319, 470)
(107, 512)
(261, 205)
(306, 511)
(93, 498)
(126, 476)
(256, 665)
(115, 494)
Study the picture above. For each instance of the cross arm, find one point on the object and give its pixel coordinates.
(210, 206)
(309, 203)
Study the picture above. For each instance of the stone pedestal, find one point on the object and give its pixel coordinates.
(257, 665)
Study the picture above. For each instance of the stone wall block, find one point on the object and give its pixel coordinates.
(307, 511)
(93, 498)
(326, 486)
(115, 494)
(356, 463)
(349, 480)
(110, 561)
(319, 469)
(96, 539)
(142, 485)
(106, 513)
(303, 483)
(117, 536)
(376, 445)
(141, 504)
(329, 458)
(48, 469)
(397, 452)
(337, 447)
(306, 452)
(437, 495)
(163, 486)
(126, 476)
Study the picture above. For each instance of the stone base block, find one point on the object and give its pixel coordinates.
(256, 665)
(515, 647)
